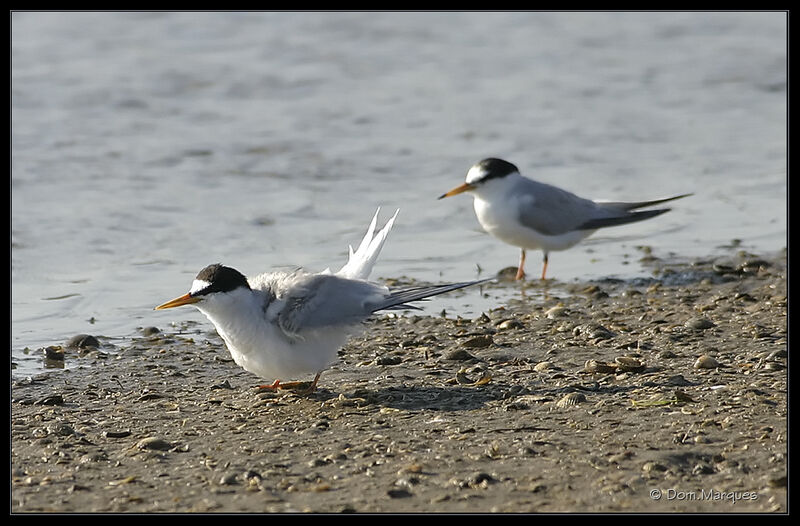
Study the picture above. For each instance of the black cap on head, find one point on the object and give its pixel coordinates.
(220, 279)
(494, 168)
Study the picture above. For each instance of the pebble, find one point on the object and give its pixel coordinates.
(595, 366)
(481, 479)
(706, 362)
(699, 324)
(629, 364)
(61, 429)
(55, 399)
(702, 469)
(753, 265)
(228, 479)
(155, 443)
(251, 474)
(556, 312)
(150, 331)
(593, 331)
(224, 385)
(407, 482)
(458, 355)
(54, 352)
(478, 342)
(509, 324)
(571, 399)
(388, 360)
(650, 467)
(82, 341)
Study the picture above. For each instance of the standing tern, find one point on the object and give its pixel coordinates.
(286, 324)
(533, 215)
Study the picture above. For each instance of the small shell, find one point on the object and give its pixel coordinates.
(699, 324)
(555, 312)
(594, 366)
(570, 400)
(706, 362)
(629, 364)
(542, 366)
(463, 379)
(509, 324)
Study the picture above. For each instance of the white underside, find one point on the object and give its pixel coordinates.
(503, 223)
(259, 346)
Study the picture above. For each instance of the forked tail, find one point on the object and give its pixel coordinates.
(359, 264)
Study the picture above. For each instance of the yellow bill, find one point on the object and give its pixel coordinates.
(186, 299)
(457, 190)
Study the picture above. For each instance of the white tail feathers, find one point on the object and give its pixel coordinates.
(359, 264)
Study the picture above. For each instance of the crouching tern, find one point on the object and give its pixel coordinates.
(533, 215)
(281, 325)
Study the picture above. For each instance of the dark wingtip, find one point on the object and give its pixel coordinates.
(631, 217)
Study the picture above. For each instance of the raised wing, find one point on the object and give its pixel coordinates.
(324, 300)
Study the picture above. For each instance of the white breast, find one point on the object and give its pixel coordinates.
(499, 216)
(257, 345)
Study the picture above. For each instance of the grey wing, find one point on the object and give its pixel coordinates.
(551, 210)
(326, 300)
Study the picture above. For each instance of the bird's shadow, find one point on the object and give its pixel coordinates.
(467, 398)
(416, 398)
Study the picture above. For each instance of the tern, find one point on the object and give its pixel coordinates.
(286, 324)
(533, 215)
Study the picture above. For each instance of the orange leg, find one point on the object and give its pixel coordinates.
(277, 384)
(521, 269)
(544, 267)
(274, 386)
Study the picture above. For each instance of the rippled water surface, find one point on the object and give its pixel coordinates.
(148, 145)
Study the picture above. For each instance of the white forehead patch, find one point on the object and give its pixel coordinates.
(475, 174)
(198, 285)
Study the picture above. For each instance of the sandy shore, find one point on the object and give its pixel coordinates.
(661, 394)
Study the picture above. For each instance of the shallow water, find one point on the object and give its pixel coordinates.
(148, 145)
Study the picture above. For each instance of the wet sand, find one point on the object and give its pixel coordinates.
(652, 395)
